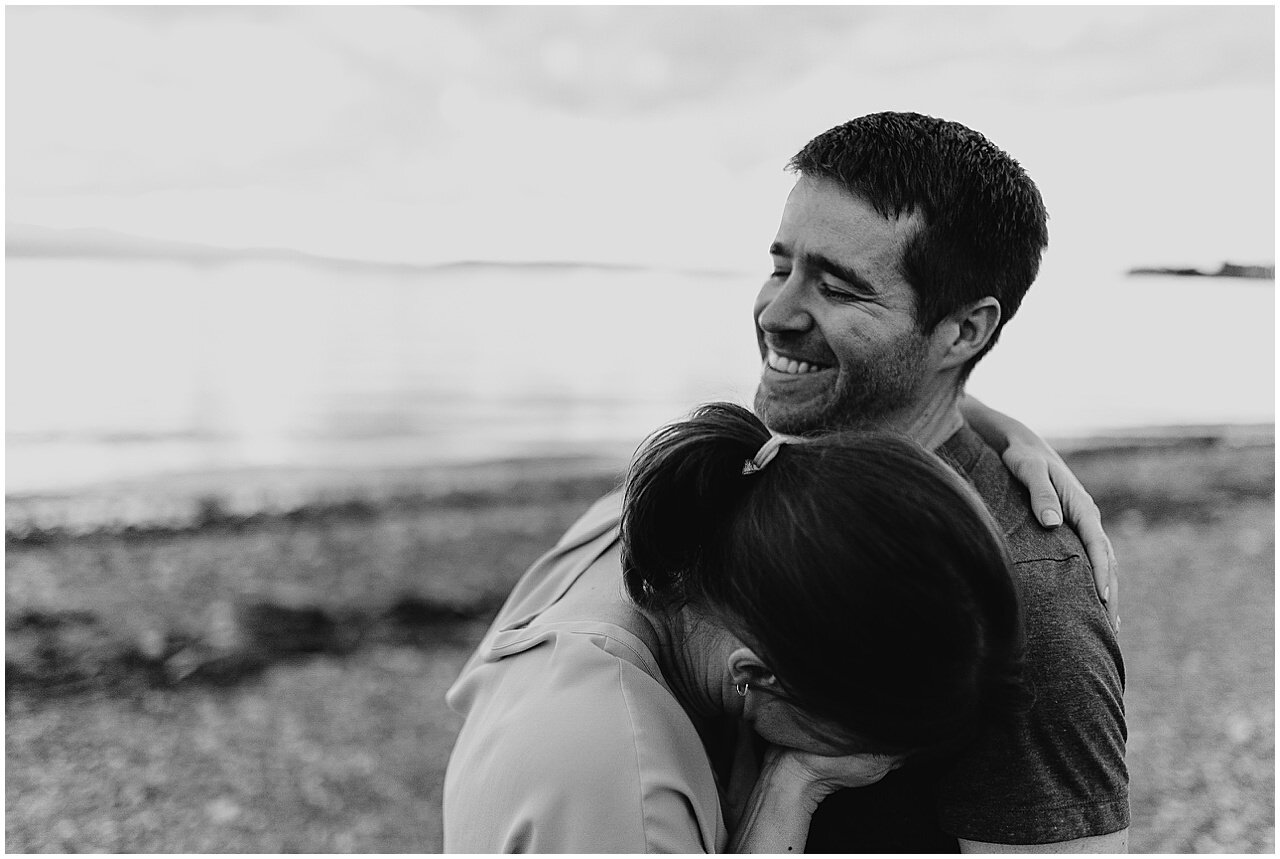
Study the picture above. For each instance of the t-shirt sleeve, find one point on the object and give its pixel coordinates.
(1057, 772)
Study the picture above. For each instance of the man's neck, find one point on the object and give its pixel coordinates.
(935, 420)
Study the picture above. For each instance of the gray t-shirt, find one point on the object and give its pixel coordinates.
(1055, 773)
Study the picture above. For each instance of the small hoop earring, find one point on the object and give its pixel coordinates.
(742, 689)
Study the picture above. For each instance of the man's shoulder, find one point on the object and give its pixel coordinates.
(1056, 772)
(601, 516)
(1009, 503)
(1066, 622)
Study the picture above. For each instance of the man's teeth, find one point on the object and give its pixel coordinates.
(790, 365)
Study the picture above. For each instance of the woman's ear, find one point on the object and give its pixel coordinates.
(747, 668)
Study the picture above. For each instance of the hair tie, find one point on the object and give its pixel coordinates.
(764, 455)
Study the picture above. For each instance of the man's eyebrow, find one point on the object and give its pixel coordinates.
(845, 273)
(827, 264)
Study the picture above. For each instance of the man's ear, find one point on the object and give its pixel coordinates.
(746, 667)
(967, 331)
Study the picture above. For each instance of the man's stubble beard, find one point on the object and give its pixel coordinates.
(875, 395)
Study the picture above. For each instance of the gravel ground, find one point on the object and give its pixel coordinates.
(275, 684)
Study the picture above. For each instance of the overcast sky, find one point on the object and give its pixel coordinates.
(650, 134)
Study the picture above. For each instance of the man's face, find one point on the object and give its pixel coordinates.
(835, 321)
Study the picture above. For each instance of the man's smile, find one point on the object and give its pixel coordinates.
(789, 366)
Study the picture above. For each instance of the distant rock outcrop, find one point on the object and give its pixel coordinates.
(1228, 269)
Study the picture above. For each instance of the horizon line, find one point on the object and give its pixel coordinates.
(36, 241)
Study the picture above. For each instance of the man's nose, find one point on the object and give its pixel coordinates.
(780, 307)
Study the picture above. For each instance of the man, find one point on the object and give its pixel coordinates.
(906, 245)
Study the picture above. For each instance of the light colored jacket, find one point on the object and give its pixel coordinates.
(573, 742)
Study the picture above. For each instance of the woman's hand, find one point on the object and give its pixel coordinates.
(821, 775)
(1056, 493)
(789, 789)
(1047, 477)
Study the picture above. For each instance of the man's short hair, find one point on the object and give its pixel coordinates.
(984, 221)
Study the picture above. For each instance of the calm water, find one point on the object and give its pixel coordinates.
(121, 370)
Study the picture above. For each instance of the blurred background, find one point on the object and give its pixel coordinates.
(323, 322)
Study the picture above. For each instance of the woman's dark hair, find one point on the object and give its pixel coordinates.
(861, 569)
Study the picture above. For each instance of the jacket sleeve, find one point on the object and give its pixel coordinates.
(603, 765)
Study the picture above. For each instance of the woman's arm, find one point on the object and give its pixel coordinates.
(1054, 491)
(789, 790)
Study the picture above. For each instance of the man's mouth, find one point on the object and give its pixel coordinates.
(791, 366)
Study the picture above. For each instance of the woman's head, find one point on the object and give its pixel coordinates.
(862, 571)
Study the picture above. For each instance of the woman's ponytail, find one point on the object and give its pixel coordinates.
(685, 481)
(862, 570)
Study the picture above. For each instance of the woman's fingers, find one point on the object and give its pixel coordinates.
(1033, 472)
(1057, 496)
(834, 772)
(1103, 560)
(1083, 515)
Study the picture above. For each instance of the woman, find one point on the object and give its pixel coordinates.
(844, 600)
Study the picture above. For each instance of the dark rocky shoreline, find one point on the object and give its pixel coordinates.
(230, 502)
